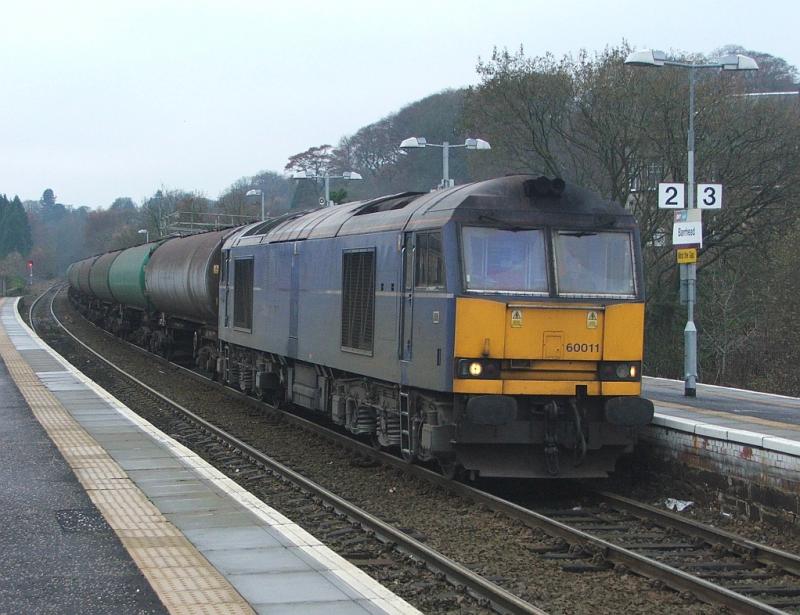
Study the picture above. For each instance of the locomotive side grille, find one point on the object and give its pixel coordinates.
(243, 293)
(358, 300)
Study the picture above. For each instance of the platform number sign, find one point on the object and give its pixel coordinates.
(709, 196)
(670, 196)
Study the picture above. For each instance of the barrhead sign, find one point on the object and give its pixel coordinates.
(688, 228)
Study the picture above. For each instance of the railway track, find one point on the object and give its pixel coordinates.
(716, 567)
(245, 461)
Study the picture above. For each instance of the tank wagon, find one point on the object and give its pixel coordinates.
(131, 314)
(495, 327)
(160, 295)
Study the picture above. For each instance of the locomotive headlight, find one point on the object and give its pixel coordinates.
(486, 369)
(619, 370)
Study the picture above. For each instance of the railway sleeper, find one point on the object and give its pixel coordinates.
(736, 575)
(656, 546)
(778, 590)
(723, 566)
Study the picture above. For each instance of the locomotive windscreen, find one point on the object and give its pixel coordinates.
(587, 263)
(594, 263)
(500, 260)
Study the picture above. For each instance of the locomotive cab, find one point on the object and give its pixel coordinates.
(548, 339)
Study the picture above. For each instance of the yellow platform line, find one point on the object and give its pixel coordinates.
(182, 578)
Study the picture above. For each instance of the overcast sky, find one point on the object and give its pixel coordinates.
(115, 98)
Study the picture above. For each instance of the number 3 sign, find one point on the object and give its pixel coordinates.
(709, 196)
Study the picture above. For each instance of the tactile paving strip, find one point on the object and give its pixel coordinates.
(183, 579)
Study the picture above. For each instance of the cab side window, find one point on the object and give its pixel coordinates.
(429, 262)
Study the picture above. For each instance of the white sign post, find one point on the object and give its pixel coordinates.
(688, 228)
(709, 196)
(670, 196)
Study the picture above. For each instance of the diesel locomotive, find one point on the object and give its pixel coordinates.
(495, 327)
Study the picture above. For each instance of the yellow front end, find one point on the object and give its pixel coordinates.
(549, 349)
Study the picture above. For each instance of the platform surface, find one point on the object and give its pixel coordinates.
(57, 553)
(750, 417)
(204, 543)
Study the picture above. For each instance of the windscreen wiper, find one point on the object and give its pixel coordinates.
(501, 224)
(577, 233)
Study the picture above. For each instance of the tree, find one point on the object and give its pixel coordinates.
(619, 131)
(338, 196)
(123, 203)
(12, 272)
(522, 106)
(315, 160)
(773, 74)
(15, 229)
(374, 150)
(48, 198)
(277, 193)
(306, 195)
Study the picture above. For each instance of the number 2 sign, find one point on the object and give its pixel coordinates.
(670, 196)
(709, 196)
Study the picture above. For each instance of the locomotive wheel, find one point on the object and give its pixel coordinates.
(409, 456)
(451, 469)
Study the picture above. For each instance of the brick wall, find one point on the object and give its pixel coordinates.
(758, 482)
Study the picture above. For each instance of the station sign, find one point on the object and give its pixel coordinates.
(709, 196)
(670, 196)
(687, 231)
(686, 255)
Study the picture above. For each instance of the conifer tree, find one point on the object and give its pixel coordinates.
(15, 229)
(23, 240)
(5, 232)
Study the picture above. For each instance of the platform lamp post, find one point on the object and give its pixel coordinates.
(347, 176)
(418, 142)
(146, 233)
(258, 192)
(652, 58)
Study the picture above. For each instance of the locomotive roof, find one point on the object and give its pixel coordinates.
(513, 199)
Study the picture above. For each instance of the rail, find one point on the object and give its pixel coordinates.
(480, 587)
(670, 576)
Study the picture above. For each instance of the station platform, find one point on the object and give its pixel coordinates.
(742, 446)
(751, 418)
(104, 513)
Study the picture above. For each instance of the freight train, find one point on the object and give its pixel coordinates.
(495, 327)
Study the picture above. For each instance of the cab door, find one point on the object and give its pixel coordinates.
(407, 293)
